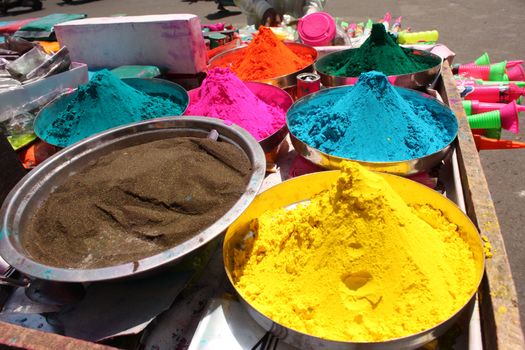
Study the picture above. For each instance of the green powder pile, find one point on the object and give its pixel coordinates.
(103, 103)
(380, 53)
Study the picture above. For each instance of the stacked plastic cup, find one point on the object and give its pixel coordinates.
(483, 60)
(491, 72)
(506, 118)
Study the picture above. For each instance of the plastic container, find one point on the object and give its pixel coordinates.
(216, 40)
(317, 29)
(417, 37)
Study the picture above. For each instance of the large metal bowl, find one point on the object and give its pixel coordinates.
(305, 187)
(405, 167)
(273, 96)
(153, 87)
(415, 80)
(226, 59)
(28, 195)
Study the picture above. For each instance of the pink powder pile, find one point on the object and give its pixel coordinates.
(222, 95)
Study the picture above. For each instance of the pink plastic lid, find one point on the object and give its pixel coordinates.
(317, 29)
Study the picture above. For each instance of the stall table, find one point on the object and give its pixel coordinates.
(493, 322)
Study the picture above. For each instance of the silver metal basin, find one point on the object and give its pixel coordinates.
(414, 80)
(285, 81)
(303, 188)
(154, 87)
(404, 167)
(32, 190)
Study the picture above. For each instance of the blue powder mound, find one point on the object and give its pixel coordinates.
(103, 103)
(373, 121)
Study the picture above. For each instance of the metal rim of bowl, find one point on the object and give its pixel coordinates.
(167, 83)
(270, 142)
(411, 341)
(69, 94)
(403, 167)
(284, 81)
(415, 79)
(20, 196)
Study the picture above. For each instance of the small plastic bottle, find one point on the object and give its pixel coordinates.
(416, 37)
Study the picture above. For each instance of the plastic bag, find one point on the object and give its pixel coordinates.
(17, 124)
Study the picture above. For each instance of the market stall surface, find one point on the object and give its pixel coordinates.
(467, 28)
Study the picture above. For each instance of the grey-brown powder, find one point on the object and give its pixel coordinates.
(137, 202)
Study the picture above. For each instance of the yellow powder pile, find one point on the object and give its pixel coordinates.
(356, 263)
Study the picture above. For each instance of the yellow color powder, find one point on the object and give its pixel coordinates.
(356, 263)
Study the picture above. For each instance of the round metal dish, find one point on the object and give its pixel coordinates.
(273, 96)
(413, 80)
(405, 167)
(305, 187)
(153, 87)
(226, 59)
(22, 201)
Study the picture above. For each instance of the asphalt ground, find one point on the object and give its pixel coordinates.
(467, 27)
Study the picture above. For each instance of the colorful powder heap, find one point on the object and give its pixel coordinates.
(222, 95)
(356, 263)
(374, 122)
(381, 53)
(137, 202)
(103, 103)
(267, 57)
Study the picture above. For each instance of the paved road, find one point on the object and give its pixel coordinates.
(467, 27)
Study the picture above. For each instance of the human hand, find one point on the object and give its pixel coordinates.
(271, 18)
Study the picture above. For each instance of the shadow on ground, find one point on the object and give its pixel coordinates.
(17, 11)
(75, 2)
(222, 14)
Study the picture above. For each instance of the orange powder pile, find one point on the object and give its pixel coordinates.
(267, 57)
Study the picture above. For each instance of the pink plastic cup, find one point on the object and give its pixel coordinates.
(509, 117)
(511, 64)
(516, 73)
(317, 29)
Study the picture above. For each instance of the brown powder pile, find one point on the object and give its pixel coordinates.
(137, 202)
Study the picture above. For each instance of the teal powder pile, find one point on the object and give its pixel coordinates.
(379, 52)
(103, 103)
(373, 121)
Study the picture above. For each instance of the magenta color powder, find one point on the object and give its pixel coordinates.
(222, 95)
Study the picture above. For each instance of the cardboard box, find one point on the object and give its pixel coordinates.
(173, 43)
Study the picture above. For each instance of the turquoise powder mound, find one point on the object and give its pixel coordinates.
(103, 103)
(373, 121)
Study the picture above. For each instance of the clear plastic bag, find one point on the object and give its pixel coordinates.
(17, 124)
